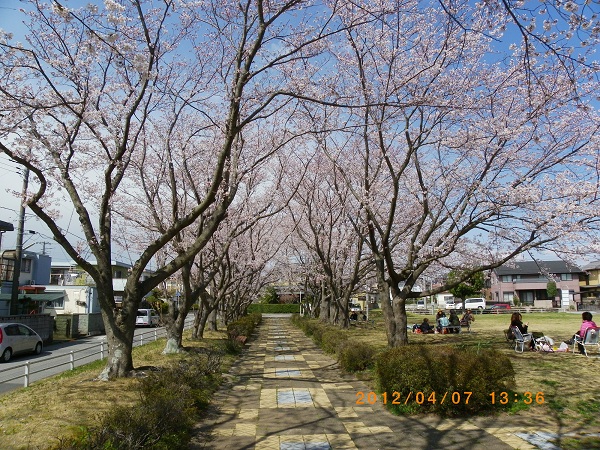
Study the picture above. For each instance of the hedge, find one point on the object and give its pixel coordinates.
(442, 379)
(287, 308)
(447, 380)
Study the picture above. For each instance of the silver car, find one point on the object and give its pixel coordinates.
(18, 338)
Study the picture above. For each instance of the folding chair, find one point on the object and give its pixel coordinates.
(509, 336)
(520, 338)
(543, 344)
(589, 340)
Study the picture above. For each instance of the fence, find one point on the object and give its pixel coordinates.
(72, 359)
(521, 309)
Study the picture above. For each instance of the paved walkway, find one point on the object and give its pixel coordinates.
(286, 394)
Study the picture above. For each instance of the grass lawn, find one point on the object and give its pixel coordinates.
(569, 382)
(38, 416)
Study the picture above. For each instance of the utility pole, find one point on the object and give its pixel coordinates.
(44, 247)
(19, 248)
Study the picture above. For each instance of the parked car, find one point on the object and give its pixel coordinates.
(17, 338)
(500, 307)
(421, 304)
(147, 318)
(474, 303)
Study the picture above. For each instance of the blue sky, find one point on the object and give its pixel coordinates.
(11, 20)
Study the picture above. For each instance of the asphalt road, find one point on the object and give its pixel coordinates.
(58, 358)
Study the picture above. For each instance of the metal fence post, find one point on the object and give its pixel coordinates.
(72, 360)
(26, 378)
(101, 349)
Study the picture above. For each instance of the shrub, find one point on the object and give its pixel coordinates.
(353, 356)
(332, 340)
(244, 326)
(233, 346)
(443, 370)
(286, 308)
(356, 356)
(316, 331)
(170, 400)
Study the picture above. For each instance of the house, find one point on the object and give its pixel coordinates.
(527, 281)
(35, 269)
(66, 273)
(589, 285)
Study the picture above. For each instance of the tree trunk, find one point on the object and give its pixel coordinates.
(197, 317)
(394, 313)
(120, 327)
(202, 324)
(174, 330)
(212, 320)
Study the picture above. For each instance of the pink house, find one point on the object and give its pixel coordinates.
(528, 281)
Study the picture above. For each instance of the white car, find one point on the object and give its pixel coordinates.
(475, 303)
(147, 318)
(17, 338)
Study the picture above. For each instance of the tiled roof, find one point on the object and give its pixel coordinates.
(591, 266)
(535, 267)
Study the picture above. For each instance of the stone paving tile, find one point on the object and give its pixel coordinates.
(285, 394)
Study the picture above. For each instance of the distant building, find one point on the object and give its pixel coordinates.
(35, 269)
(590, 287)
(68, 273)
(528, 281)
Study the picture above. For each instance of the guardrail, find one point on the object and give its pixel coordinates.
(93, 352)
(520, 309)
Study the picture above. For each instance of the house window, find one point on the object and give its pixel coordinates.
(118, 274)
(7, 268)
(566, 277)
(507, 297)
(26, 265)
(506, 278)
(58, 303)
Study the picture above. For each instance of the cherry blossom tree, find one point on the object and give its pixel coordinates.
(325, 217)
(91, 91)
(461, 157)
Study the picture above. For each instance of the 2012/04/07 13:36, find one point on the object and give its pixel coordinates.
(420, 398)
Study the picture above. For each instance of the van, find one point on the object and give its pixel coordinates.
(147, 318)
(475, 303)
(421, 304)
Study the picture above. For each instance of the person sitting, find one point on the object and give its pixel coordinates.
(586, 323)
(426, 327)
(439, 314)
(442, 323)
(363, 316)
(354, 316)
(467, 318)
(516, 320)
(454, 322)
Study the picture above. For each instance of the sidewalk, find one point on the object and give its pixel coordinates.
(286, 394)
